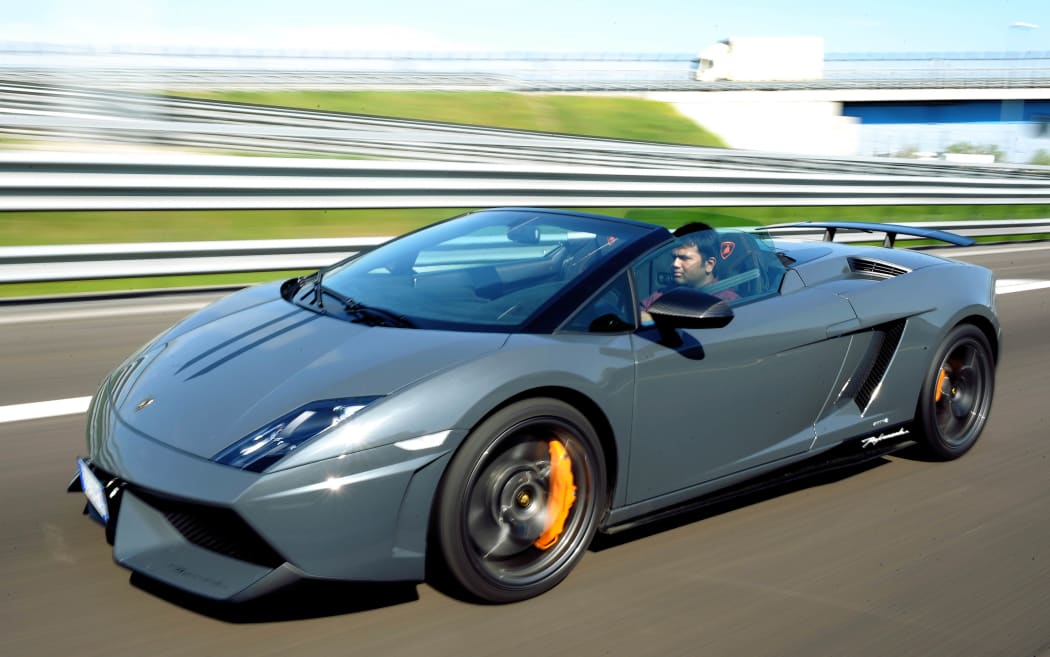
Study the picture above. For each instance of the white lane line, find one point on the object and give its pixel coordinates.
(1010, 285)
(102, 312)
(37, 410)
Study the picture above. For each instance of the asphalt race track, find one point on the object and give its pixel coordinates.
(901, 557)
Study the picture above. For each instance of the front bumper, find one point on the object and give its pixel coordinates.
(149, 543)
(227, 534)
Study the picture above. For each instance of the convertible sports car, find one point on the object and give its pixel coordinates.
(483, 395)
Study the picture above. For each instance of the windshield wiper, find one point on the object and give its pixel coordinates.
(375, 316)
(358, 311)
(318, 289)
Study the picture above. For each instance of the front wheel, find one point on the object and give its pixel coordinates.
(521, 500)
(957, 394)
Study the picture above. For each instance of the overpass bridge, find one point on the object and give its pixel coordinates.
(875, 120)
(879, 104)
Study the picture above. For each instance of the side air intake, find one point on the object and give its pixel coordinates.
(891, 337)
(875, 268)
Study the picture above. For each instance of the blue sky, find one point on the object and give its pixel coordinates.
(665, 26)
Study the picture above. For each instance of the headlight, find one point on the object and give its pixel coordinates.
(261, 449)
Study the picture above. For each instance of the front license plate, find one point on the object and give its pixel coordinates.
(93, 489)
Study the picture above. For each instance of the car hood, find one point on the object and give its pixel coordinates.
(219, 381)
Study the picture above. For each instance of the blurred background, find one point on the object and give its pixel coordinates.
(772, 87)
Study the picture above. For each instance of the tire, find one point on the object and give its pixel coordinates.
(957, 394)
(499, 501)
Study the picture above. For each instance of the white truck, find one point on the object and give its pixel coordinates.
(763, 58)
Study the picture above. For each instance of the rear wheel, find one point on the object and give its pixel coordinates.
(957, 394)
(521, 500)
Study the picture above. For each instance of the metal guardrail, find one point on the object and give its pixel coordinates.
(32, 181)
(38, 264)
(70, 113)
(41, 264)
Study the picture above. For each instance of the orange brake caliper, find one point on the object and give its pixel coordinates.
(940, 382)
(560, 497)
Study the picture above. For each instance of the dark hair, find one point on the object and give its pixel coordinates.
(691, 227)
(699, 235)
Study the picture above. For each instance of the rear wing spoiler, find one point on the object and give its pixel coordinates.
(891, 231)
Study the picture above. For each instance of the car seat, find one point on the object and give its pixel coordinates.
(739, 265)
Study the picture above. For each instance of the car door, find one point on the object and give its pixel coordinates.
(733, 398)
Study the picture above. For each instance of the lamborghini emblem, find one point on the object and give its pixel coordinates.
(727, 249)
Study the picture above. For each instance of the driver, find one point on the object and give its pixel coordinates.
(695, 258)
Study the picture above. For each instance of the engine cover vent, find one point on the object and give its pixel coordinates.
(875, 268)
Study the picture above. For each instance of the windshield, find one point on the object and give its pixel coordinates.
(490, 270)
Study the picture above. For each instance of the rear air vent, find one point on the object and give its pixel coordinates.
(875, 268)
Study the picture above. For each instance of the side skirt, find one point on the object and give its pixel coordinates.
(846, 455)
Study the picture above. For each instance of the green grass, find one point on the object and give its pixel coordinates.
(46, 228)
(764, 216)
(619, 117)
(100, 227)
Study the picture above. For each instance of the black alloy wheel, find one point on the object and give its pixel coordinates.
(521, 500)
(957, 394)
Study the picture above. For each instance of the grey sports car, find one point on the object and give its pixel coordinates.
(483, 395)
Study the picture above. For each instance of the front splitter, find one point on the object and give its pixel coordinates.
(147, 543)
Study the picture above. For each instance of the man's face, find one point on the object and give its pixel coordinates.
(690, 268)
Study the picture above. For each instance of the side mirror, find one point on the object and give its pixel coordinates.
(686, 307)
